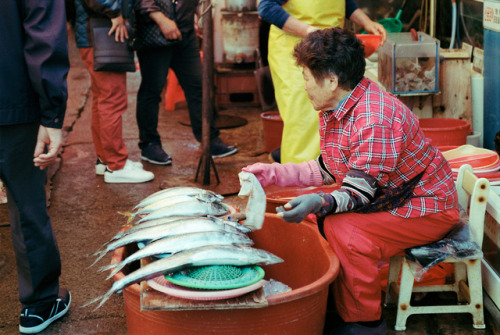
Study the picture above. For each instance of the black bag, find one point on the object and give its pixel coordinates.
(110, 55)
(147, 33)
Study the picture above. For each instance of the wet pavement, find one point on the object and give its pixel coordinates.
(85, 211)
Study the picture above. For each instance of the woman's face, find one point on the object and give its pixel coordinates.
(320, 93)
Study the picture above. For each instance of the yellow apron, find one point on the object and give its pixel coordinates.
(300, 141)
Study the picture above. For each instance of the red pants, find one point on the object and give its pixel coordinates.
(361, 241)
(109, 102)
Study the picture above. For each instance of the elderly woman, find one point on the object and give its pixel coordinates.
(397, 190)
(291, 20)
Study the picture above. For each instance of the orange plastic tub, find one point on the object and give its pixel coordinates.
(445, 132)
(309, 266)
(272, 125)
(370, 42)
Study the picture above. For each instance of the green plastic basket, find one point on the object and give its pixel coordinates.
(216, 277)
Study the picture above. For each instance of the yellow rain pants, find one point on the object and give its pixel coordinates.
(300, 141)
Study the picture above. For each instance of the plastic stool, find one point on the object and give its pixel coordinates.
(468, 283)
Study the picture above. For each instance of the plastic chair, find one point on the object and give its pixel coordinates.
(473, 194)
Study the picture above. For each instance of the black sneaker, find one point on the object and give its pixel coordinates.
(220, 149)
(276, 155)
(36, 319)
(155, 154)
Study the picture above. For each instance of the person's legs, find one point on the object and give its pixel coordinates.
(86, 55)
(35, 246)
(186, 64)
(361, 240)
(154, 70)
(109, 104)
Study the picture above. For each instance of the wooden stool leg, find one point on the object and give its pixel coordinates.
(405, 291)
(392, 280)
(460, 276)
(476, 292)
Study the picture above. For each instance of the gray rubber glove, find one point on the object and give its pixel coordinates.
(297, 209)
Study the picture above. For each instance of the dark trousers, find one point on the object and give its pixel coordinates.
(37, 254)
(184, 59)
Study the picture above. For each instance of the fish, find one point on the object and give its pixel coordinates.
(174, 228)
(179, 191)
(168, 219)
(168, 201)
(178, 243)
(237, 225)
(190, 208)
(202, 256)
(147, 224)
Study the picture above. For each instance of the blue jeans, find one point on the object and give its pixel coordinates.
(184, 59)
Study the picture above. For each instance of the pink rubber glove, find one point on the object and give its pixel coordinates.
(304, 174)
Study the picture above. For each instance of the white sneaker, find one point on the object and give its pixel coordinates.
(100, 167)
(131, 173)
(137, 165)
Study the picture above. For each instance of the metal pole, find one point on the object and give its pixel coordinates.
(432, 26)
(207, 101)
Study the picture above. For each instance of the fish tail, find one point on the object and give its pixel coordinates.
(115, 271)
(93, 301)
(107, 267)
(99, 254)
(130, 216)
(103, 299)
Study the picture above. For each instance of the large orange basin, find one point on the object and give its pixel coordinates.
(310, 266)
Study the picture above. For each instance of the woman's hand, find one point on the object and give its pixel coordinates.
(118, 28)
(168, 27)
(377, 29)
(297, 209)
(371, 27)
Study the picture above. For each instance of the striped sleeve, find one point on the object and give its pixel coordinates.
(358, 189)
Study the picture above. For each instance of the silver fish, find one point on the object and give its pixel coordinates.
(197, 224)
(170, 201)
(179, 191)
(190, 208)
(239, 226)
(203, 256)
(169, 219)
(147, 224)
(178, 243)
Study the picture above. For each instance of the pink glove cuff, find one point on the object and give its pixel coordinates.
(304, 174)
(290, 174)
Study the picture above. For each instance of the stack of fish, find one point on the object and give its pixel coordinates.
(181, 224)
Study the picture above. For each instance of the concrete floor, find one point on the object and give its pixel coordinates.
(85, 210)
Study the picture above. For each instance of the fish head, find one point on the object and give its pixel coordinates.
(264, 257)
(218, 209)
(208, 197)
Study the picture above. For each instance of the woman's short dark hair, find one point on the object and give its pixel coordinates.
(332, 51)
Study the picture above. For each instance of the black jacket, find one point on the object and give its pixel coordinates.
(185, 12)
(33, 62)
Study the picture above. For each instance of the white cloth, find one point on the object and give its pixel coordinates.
(256, 204)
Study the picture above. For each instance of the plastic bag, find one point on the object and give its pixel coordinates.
(458, 243)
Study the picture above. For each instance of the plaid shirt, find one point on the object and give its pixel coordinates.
(375, 133)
